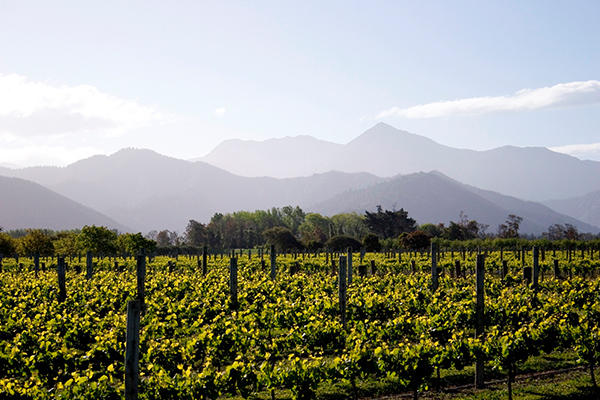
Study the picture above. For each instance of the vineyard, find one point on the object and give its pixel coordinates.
(207, 331)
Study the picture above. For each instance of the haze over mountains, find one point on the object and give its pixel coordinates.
(141, 190)
(533, 173)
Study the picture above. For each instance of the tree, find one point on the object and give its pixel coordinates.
(315, 228)
(282, 238)
(371, 242)
(66, 243)
(350, 224)
(195, 233)
(292, 217)
(342, 242)
(432, 230)
(97, 239)
(133, 243)
(8, 247)
(511, 228)
(389, 224)
(36, 241)
(416, 240)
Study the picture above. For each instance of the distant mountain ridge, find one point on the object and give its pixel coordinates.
(147, 191)
(533, 173)
(434, 198)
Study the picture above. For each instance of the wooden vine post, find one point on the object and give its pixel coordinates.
(233, 282)
(36, 263)
(349, 251)
(62, 288)
(204, 260)
(536, 266)
(132, 349)
(89, 265)
(434, 271)
(141, 278)
(556, 269)
(273, 262)
(479, 315)
(342, 290)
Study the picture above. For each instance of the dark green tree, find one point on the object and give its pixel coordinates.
(389, 224)
(416, 240)
(342, 242)
(195, 233)
(371, 243)
(282, 238)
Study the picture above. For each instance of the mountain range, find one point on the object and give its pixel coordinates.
(531, 173)
(141, 190)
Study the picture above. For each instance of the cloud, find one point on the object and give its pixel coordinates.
(220, 112)
(579, 149)
(563, 95)
(40, 109)
(45, 155)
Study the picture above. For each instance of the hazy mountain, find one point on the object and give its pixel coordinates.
(145, 190)
(432, 197)
(533, 173)
(25, 204)
(585, 208)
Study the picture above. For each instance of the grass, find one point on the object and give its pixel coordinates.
(557, 376)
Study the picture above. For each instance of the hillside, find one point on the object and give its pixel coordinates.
(585, 208)
(434, 198)
(25, 204)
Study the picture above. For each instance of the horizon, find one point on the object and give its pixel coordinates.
(179, 80)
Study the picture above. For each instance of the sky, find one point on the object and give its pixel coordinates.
(84, 78)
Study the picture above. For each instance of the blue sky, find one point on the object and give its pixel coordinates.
(82, 78)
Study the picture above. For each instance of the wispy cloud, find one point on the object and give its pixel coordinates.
(563, 95)
(40, 109)
(578, 149)
(45, 155)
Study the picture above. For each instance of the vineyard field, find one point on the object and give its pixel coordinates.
(284, 336)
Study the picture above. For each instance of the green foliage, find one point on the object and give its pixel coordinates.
(133, 243)
(36, 241)
(8, 246)
(342, 242)
(416, 240)
(389, 224)
(97, 239)
(282, 238)
(371, 243)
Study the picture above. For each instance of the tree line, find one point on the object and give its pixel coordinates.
(287, 228)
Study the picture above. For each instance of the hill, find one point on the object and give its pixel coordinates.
(25, 204)
(433, 197)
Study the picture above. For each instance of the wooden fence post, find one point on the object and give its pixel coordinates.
(556, 269)
(479, 315)
(342, 290)
(132, 349)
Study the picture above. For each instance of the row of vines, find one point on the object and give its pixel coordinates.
(282, 335)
